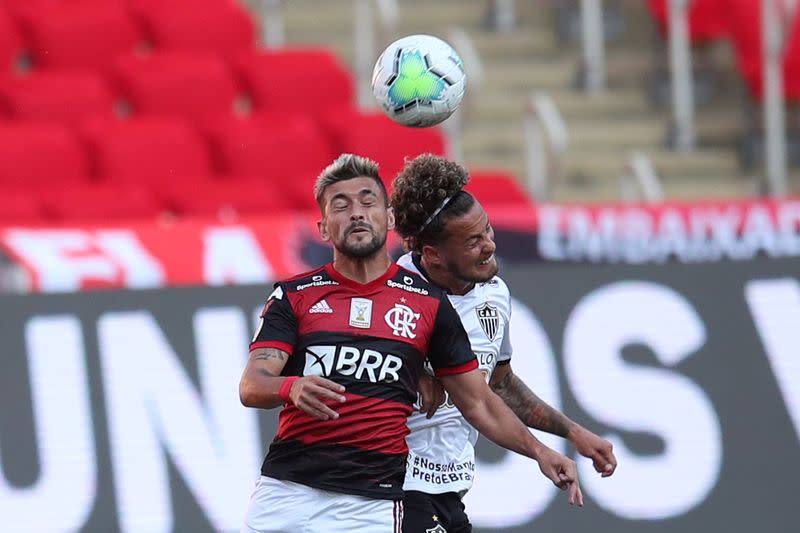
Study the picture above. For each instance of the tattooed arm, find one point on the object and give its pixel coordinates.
(536, 413)
(261, 380)
(261, 385)
(532, 410)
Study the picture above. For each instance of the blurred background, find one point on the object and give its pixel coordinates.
(639, 159)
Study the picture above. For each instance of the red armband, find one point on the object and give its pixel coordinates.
(286, 386)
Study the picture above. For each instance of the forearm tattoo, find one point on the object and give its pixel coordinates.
(270, 353)
(532, 410)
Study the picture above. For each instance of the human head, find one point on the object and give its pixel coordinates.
(440, 221)
(354, 206)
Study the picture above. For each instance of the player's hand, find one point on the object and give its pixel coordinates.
(596, 448)
(431, 393)
(308, 394)
(561, 470)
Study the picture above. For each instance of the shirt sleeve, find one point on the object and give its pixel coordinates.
(277, 327)
(449, 351)
(506, 350)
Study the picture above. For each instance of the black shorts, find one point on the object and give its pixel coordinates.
(434, 513)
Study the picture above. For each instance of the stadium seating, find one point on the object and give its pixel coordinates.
(36, 155)
(272, 145)
(64, 97)
(176, 84)
(152, 151)
(375, 136)
(220, 26)
(68, 153)
(311, 79)
(86, 34)
(496, 187)
(707, 18)
(11, 47)
(17, 207)
(746, 30)
(226, 196)
(101, 201)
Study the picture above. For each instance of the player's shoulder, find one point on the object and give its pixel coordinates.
(410, 281)
(318, 277)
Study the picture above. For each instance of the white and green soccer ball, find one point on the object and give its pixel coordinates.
(419, 81)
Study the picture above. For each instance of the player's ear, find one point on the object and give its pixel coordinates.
(322, 226)
(390, 218)
(431, 255)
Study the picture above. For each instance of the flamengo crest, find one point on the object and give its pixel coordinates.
(402, 319)
(489, 319)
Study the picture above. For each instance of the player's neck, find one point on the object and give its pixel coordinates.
(362, 269)
(443, 279)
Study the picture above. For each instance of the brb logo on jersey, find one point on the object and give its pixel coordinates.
(349, 361)
(402, 319)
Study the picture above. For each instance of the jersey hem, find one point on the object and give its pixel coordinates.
(460, 369)
(334, 488)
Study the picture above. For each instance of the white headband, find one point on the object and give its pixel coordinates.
(435, 213)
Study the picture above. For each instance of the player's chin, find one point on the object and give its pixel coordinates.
(485, 271)
(362, 248)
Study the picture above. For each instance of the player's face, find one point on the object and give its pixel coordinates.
(468, 250)
(356, 219)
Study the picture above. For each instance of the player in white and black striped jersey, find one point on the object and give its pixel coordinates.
(451, 244)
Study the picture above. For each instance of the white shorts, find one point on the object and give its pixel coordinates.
(278, 506)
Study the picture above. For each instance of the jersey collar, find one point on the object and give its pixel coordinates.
(342, 280)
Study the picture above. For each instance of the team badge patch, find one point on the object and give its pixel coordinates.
(488, 317)
(360, 313)
(403, 321)
(437, 529)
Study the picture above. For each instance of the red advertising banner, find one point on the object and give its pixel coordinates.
(147, 254)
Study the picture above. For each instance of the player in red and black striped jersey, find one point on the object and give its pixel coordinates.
(372, 339)
(341, 349)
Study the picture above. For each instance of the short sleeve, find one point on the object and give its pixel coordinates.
(449, 351)
(278, 325)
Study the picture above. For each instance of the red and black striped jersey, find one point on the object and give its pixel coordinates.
(372, 338)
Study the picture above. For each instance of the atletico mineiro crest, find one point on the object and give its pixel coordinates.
(489, 319)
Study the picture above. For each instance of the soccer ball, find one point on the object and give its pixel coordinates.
(419, 81)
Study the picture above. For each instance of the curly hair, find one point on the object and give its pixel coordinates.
(426, 194)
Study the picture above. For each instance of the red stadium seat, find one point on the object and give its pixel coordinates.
(147, 150)
(80, 34)
(177, 84)
(64, 97)
(275, 146)
(11, 45)
(708, 19)
(746, 22)
(497, 188)
(33, 155)
(375, 136)
(209, 26)
(221, 196)
(792, 61)
(101, 201)
(18, 207)
(311, 80)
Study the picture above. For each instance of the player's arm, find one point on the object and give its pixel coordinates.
(536, 413)
(261, 380)
(455, 365)
(263, 386)
(492, 417)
